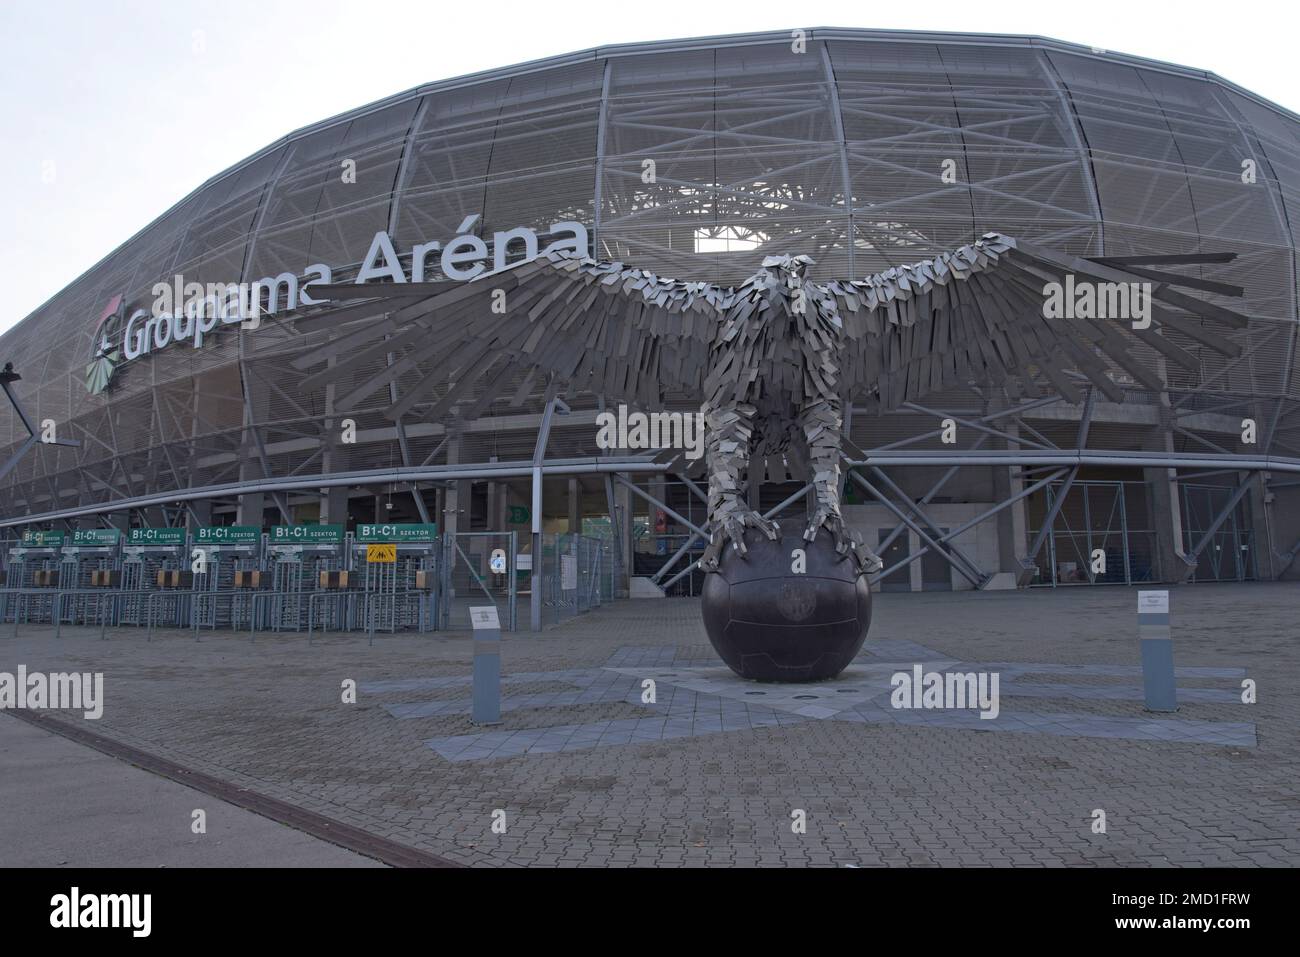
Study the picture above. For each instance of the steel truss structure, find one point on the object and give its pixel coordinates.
(865, 149)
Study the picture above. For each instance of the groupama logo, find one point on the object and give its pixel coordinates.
(193, 312)
(104, 354)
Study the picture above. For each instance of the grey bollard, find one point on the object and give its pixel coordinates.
(487, 664)
(1158, 684)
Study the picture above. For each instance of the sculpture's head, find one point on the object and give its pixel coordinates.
(788, 267)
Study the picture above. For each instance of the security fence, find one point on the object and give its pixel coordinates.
(665, 560)
(1102, 534)
(480, 568)
(1229, 554)
(577, 575)
(380, 579)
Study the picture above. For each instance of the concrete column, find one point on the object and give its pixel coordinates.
(334, 506)
(623, 502)
(618, 538)
(1171, 564)
(498, 506)
(1012, 523)
(455, 509)
(1284, 527)
(1267, 563)
(456, 503)
(575, 507)
(915, 577)
(252, 505)
(202, 511)
(495, 520)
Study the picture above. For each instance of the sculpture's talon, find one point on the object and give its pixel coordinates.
(846, 542)
(731, 530)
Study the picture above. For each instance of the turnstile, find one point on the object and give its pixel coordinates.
(228, 584)
(397, 595)
(31, 583)
(297, 572)
(90, 577)
(156, 584)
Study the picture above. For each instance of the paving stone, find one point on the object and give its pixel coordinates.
(588, 778)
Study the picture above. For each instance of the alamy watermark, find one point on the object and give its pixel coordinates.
(653, 430)
(35, 691)
(1085, 299)
(127, 911)
(920, 689)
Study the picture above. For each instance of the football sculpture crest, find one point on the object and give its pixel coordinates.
(773, 362)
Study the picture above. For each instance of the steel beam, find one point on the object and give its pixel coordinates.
(966, 526)
(7, 377)
(439, 473)
(976, 425)
(1219, 519)
(931, 543)
(920, 513)
(539, 457)
(837, 126)
(616, 532)
(1049, 520)
(654, 501)
(768, 514)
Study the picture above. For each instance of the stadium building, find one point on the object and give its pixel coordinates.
(696, 158)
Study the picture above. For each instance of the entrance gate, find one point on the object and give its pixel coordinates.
(1229, 556)
(228, 550)
(146, 599)
(479, 568)
(89, 597)
(1102, 534)
(33, 578)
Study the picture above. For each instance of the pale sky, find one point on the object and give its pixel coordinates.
(113, 110)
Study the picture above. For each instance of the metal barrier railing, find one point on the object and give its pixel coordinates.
(576, 575)
(479, 568)
(429, 587)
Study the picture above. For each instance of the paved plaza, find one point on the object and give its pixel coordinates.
(625, 741)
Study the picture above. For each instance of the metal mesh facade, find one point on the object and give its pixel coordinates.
(838, 151)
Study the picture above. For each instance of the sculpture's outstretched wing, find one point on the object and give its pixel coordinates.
(981, 313)
(602, 327)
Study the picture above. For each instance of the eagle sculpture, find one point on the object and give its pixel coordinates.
(774, 360)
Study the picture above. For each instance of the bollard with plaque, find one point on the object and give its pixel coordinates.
(1158, 684)
(487, 664)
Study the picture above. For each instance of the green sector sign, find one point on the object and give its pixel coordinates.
(42, 539)
(306, 534)
(394, 532)
(228, 535)
(156, 536)
(96, 536)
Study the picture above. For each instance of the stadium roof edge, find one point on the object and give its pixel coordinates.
(668, 46)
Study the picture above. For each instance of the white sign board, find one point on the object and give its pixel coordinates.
(484, 617)
(1153, 602)
(568, 572)
(524, 563)
(498, 561)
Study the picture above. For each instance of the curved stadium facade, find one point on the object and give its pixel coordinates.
(696, 159)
